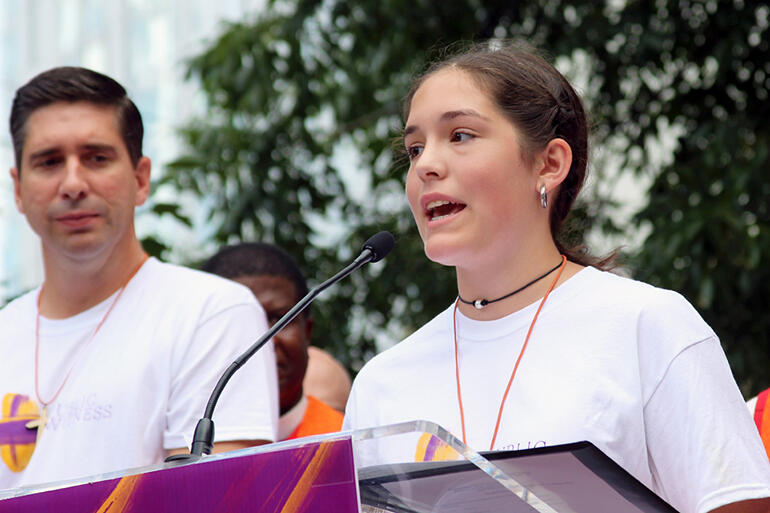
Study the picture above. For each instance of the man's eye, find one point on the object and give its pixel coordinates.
(98, 158)
(274, 317)
(49, 162)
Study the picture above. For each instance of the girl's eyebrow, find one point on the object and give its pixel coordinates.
(451, 114)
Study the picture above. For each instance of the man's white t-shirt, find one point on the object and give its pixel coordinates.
(629, 367)
(137, 388)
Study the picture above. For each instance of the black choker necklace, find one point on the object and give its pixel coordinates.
(481, 303)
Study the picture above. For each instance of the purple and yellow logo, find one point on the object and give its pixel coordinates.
(430, 448)
(17, 443)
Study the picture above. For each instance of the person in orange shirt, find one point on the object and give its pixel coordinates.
(759, 406)
(326, 379)
(274, 278)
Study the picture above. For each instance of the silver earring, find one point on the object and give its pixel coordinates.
(543, 197)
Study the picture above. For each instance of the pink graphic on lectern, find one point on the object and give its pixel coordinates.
(316, 478)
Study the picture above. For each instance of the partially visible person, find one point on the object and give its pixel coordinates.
(760, 410)
(543, 346)
(276, 281)
(326, 379)
(109, 363)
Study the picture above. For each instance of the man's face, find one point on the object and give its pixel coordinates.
(277, 295)
(77, 186)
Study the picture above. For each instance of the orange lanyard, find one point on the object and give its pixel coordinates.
(90, 339)
(515, 367)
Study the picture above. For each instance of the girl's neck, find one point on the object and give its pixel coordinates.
(492, 282)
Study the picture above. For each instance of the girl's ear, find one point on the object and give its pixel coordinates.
(554, 163)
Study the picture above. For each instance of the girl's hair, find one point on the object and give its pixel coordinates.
(542, 105)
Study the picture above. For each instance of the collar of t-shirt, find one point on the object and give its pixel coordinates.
(292, 418)
(86, 320)
(473, 330)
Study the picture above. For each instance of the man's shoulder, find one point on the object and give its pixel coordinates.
(193, 285)
(175, 272)
(320, 417)
(321, 408)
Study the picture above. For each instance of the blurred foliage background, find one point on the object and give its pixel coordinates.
(304, 100)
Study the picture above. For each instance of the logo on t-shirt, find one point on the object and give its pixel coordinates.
(430, 448)
(88, 408)
(518, 446)
(17, 443)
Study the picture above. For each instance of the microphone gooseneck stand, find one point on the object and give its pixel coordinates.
(374, 250)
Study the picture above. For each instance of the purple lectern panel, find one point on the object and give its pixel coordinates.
(315, 478)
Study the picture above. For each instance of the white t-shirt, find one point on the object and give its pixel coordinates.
(629, 367)
(139, 386)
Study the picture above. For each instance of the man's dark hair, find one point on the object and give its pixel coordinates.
(72, 84)
(257, 259)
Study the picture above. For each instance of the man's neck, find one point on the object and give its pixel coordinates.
(291, 418)
(73, 286)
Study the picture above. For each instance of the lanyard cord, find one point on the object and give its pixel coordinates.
(83, 347)
(515, 367)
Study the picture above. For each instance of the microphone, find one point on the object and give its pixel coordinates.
(377, 247)
(374, 249)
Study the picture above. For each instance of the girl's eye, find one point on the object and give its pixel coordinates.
(414, 151)
(461, 136)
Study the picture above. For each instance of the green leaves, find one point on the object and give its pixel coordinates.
(305, 99)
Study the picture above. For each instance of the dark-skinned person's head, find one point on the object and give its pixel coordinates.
(276, 281)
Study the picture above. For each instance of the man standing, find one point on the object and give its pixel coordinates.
(278, 284)
(109, 363)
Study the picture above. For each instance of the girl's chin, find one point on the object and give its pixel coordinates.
(442, 253)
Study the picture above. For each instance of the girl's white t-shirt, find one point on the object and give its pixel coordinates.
(627, 366)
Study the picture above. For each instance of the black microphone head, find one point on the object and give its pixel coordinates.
(380, 244)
